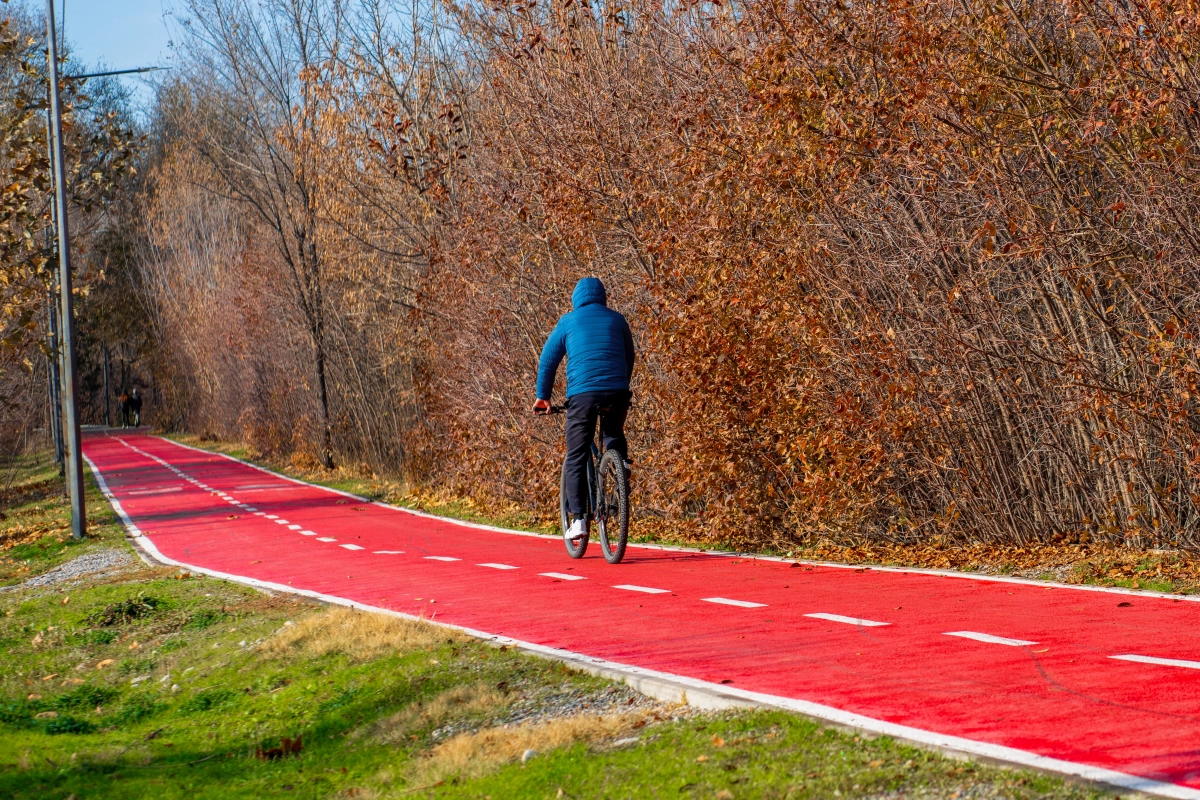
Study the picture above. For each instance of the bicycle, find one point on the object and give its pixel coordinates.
(608, 501)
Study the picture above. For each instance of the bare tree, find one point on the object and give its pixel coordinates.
(256, 111)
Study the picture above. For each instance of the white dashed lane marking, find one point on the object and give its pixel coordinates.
(252, 508)
(271, 516)
(740, 603)
(350, 546)
(562, 576)
(281, 522)
(326, 539)
(866, 623)
(497, 566)
(442, 558)
(388, 552)
(308, 533)
(987, 638)
(1162, 662)
(294, 527)
(647, 589)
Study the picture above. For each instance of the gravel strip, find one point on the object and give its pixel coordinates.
(86, 564)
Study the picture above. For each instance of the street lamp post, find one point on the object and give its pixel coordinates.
(70, 377)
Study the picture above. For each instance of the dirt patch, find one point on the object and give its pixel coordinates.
(360, 635)
(470, 755)
(456, 703)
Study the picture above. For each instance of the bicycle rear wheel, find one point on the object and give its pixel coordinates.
(575, 547)
(612, 513)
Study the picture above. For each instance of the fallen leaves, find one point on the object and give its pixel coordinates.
(287, 747)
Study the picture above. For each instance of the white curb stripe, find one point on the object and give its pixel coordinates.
(866, 623)
(739, 603)
(1162, 662)
(990, 639)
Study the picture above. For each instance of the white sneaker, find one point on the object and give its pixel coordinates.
(577, 530)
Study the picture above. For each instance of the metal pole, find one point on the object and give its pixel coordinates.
(55, 381)
(107, 392)
(70, 371)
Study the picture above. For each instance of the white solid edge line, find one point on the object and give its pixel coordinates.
(1194, 598)
(836, 715)
(497, 566)
(562, 576)
(1162, 662)
(866, 623)
(989, 638)
(725, 601)
(647, 589)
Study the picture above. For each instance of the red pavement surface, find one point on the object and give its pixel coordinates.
(1057, 693)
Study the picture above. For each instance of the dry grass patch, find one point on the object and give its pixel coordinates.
(361, 635)
(471, 755)
(456, 703)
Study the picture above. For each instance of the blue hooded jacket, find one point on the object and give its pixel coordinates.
(596, 341)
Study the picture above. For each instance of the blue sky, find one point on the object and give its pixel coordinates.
(116, 34)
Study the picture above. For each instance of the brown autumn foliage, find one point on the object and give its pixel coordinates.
(99, 150)
(896, 271)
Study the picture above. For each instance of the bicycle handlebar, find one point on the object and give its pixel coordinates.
(552, 410)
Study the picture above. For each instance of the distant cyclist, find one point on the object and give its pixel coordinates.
(599, 350)
(135, 408)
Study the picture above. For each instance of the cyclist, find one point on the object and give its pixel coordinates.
(599, 350)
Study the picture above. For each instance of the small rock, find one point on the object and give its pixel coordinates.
(175, 687)
(139, 679)
(34, 697)
(528, 754)
(46, 715)
(242, 643)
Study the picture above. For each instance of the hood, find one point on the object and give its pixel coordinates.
(588, 291)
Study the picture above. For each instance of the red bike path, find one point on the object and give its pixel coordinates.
(1102, 684)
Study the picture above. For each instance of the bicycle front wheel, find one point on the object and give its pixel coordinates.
(575, 547)
(612, 515)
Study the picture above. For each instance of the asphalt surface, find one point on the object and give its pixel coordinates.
(1106, 683)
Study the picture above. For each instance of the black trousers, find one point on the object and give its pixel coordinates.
(582, 411)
